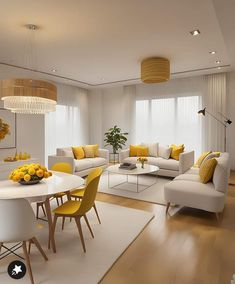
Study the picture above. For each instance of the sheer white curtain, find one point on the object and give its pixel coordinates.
(215, 102)
(62, 128)
(170, 120)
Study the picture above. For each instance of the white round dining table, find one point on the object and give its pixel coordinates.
(58, 182)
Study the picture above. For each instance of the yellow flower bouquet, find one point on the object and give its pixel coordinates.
(29, 174)
(142, 160)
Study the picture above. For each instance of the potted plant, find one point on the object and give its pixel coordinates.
(115, 138)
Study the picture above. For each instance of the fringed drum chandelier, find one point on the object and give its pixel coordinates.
(29, 96)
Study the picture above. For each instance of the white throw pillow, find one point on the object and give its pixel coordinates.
(153, 148)
(210, 156)
(164, 151)
(65, 152)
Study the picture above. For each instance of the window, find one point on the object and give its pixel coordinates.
(62, 128)
(170, 120)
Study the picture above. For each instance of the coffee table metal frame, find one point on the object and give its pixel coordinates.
(137, 179)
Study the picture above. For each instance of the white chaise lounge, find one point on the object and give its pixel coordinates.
(188, 190)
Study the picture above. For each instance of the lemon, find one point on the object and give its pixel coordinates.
(31, 171)
(39, 173)
(21, 174)
(27, 177)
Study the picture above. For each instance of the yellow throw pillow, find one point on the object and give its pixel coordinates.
(89, 151)
(201, 158)
(133, 150)
(96, 149)
(176, 150)
(142, 151)
(78, 152)
(207, 170)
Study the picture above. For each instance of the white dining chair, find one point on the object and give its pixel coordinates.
(18, 224)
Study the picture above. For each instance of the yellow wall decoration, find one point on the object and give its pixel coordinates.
(4, 129)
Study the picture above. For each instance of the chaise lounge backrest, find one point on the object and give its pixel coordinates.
(222, 173)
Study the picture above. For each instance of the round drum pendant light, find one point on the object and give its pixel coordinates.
(155, 70)
(29, 96)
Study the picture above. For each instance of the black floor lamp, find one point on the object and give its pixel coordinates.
(226, 122)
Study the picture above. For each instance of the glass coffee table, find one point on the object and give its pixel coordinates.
(139, 171)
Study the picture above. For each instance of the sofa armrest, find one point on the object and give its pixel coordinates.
(104, 153)
(123, 155)
(186, 161)
(53, 159)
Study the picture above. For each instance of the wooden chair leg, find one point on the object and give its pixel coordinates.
(63, 221)
(96, 212)
(57, 200)
(29, 247)
(54, 224)
(88, 225)
(37, 214)
(61, 200)
(167, 207)
(27, 260)
(37, 244)
(43, 209)
(78, 222)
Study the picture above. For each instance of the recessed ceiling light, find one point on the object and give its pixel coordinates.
(212, 52)
(217, 61)
(54, 70)
(195, 32)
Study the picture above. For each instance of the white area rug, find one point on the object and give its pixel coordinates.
(120, 226)
(154, 193)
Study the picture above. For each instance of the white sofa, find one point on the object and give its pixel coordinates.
(188, 190)
(80, 167)
(168, 167)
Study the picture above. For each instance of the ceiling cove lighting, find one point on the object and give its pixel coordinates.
(29, 96)
(195, 32)
(155, 70)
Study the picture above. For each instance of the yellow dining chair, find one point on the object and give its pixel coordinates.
(59, 167)
(78, 209)
(79, 193)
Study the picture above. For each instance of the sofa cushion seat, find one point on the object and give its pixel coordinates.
(97, 162)
(133, 160)
(83, 164)
(194, 194)
(193, 170)
(168, 164)
(87, 163)
(190, 177)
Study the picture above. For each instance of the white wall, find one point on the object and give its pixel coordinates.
(231, 115)
(30, 136)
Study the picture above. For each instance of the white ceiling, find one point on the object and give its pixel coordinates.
(104, 41)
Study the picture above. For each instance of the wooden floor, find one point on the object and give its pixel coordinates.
(190, 247)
